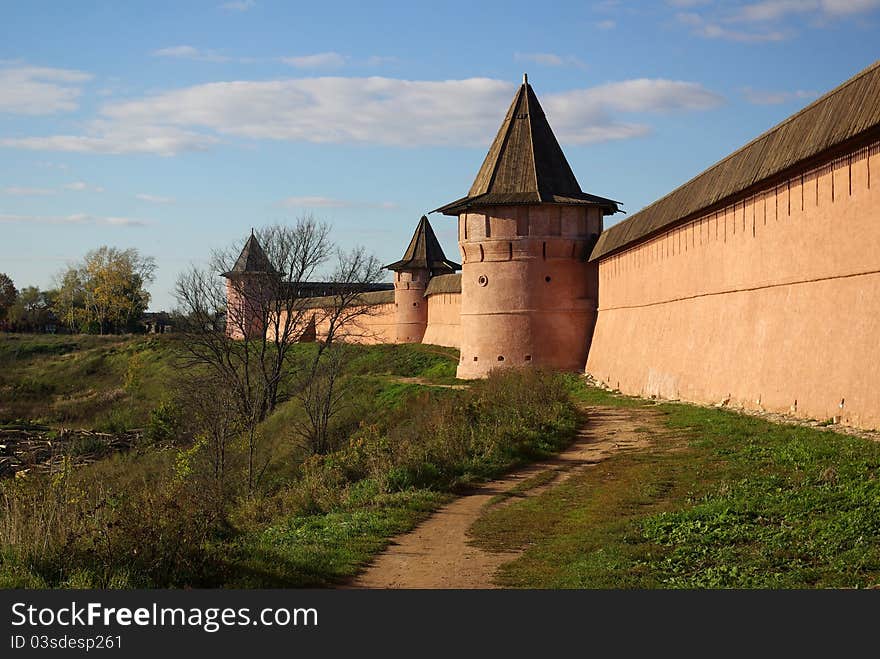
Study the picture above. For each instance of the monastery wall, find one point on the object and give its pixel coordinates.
(444, 320)
(376, 325)
(379, 323)
(772, 302)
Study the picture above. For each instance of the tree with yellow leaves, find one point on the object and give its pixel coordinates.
(106, 292)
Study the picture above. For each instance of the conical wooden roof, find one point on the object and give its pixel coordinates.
(252, 260)
(425, 253)
(525, 165)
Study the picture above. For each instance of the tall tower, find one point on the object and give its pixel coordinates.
(424, 258)
(249, 284)
(525, 231)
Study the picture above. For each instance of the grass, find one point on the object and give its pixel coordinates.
(720, 500)
(323, 549)
(529, 484)
(154, 517)
(104, 382)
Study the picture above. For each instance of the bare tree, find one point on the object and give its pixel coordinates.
(243, 330)
(212, 419)
(320, 385)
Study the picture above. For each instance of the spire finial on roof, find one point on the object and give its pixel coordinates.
(525, 164)
(252, 231)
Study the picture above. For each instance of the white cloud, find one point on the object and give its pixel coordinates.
(715, 30)
(117, 138)
(772, 10)
(550, 59)
(591, 115)
(34, 90)
(379, 60)
(53, 165)
(684, 4)
(372, 110)
(191, 52)
(606, 25)
(21, 191)
(76, 218)
(330, 202)
(238, 5)
(846, 7)
(154, 199)
(82, 186)
(763, 97)
(766, 20)
(329, 60)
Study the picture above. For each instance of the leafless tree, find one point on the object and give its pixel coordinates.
(248, 343)
(212, 419)
(320, 384)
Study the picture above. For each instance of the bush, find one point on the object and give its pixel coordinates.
(165, 423)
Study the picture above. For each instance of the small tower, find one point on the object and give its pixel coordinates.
(423, 259)
(249, 285)
(525, 230)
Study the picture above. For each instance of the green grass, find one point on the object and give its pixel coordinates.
(720, 500)
(154, 517)
(529, 484)
(105, 382)
(415, 360)
(321, 550)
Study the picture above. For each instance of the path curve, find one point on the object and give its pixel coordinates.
(438, 553)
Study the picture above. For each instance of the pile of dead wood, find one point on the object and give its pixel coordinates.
(41, 449)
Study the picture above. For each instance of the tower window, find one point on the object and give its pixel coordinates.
(528, 358)
(475, 358)
(482, 280)
(547, 279)
(500, 358)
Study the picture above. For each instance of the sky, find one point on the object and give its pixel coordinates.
(175, 127)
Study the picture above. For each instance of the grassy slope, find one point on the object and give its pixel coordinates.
(721, 500)
(104, 382)
(134, 522)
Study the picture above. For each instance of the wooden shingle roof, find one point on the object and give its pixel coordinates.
(444, 284)
(252, 260)
(525, 165)
(425, 253)
(849, 113)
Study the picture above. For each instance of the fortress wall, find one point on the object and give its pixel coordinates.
(773, 301)
(444, 320)
(376, 325)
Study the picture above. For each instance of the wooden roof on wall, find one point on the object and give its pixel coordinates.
(846, 113)
(525, 165)
(444, 284)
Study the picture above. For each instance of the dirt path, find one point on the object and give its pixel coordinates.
(438, 554)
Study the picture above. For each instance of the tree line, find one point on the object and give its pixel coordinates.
(104, 293)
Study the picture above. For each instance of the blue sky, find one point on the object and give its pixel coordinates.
(174, 127)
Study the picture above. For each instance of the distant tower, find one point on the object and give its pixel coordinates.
(248, 287)
(423, 259)
(525, 231)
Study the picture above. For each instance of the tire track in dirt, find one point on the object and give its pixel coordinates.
(438, 553)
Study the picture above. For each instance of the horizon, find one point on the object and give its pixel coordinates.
(175, 130)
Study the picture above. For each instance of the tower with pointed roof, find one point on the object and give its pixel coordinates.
(424, 259)
(525, 230)
(249, 284)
